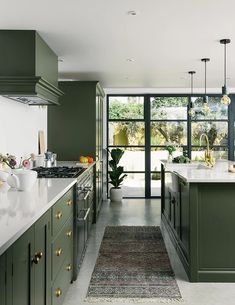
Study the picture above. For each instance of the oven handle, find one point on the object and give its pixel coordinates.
(87, 194)
(87, 213)
(85, 217)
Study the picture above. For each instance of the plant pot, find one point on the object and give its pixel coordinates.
(116, 194)
(170, 158)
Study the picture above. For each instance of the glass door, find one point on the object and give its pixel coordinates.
(126, 130)
(168, 126)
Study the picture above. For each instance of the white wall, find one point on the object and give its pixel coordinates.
(19, 126)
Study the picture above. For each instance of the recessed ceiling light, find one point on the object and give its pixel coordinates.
(132, 13)
(130, 59)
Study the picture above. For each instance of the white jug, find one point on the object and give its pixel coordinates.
(22, 179)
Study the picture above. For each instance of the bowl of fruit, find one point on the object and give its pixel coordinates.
(86, 159)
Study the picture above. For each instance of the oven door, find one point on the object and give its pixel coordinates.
(79, 231)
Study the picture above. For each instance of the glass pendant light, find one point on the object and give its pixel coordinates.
(205, 107)
(191, 111)
(225, 100)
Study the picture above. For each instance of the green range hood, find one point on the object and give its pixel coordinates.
(28, 68)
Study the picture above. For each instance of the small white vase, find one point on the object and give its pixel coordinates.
(116, 194)
(170, 158)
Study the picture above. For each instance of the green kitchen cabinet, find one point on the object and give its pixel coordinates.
(29, 270)
(22, 269)
(29, 257)
(75, 128)
(42, 264)
(3, 279)
(199, 218)
(183, 211)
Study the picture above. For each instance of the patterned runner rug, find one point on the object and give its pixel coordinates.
(133, 265)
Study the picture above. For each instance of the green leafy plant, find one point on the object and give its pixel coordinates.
(181, 159)
(116, 175)
(170, 149)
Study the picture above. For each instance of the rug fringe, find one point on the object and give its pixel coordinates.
(133, 300)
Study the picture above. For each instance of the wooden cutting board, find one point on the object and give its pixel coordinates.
(41, 142)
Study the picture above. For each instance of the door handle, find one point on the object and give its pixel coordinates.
(37, 257)
(69, 233)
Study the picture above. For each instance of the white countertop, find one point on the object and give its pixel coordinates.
(20, 210)
(190, 172)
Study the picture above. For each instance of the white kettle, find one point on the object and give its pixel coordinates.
(22, 179)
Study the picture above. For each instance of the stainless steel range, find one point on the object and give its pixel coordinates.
(59, 172)
(84, 207)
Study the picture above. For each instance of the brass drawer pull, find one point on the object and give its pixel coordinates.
(69, 202)
(58, 252)
(69, 267)
(69, 233)
(37, 257)
(58, 292)
(59, 215)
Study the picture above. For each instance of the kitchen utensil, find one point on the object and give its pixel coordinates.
(48, 155)
(54, 159)
(41, 142)
(39, 161)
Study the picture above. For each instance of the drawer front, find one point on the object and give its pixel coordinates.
(62, 246)
(62, 281)
(61, 211)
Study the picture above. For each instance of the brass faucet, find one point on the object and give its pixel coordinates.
(209, 160)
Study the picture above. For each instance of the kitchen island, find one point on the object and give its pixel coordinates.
(198, 211)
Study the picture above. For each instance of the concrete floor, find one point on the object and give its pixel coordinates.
(144, 212)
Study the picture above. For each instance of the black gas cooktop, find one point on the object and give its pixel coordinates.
(59, 172)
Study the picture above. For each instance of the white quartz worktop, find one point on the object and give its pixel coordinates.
(20, 210)
(197, 173)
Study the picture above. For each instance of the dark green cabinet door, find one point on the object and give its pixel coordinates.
(2, 280)
(184, 216)
(41, 262)
(166, 206)
(22, 271)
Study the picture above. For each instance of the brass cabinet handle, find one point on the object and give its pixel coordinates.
(69, 202)
(37, 257)
(69, 267)
(59, 215)
(58, 252)
(69, 233)
(58, 292)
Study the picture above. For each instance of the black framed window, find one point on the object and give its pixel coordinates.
(143, 125)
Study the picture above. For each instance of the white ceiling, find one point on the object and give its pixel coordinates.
(166, 38)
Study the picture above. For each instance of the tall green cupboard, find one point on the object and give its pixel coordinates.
(75, 127)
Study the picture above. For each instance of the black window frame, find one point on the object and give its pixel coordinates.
(186, 148)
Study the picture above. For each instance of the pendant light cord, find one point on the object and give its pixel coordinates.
(225, 63)
(191, 83)
(205, 77)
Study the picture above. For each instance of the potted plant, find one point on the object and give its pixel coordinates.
(116, 174)
(170, 149)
